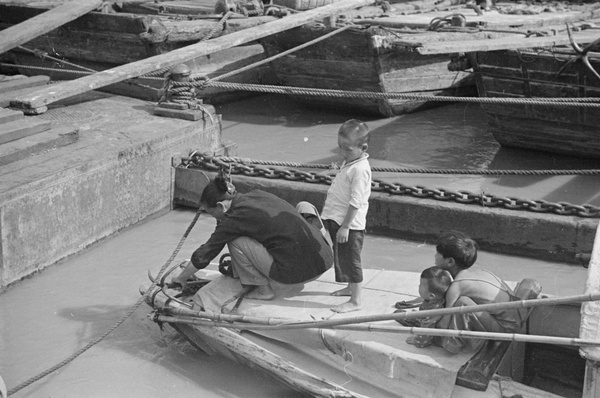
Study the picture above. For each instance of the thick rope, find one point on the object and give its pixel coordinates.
(116, 325)
(588, 102)
(414, 170)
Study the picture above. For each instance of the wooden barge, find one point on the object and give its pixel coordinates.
(538, 73)
(118, 34)
(379, 52)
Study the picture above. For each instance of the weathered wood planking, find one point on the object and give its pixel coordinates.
(93, 21)
(49, 20)
(18, 84)
(37, 144)
(18, 129)
(505, 43)
(64, 90)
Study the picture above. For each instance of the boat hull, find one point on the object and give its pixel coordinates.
(365, 364)
(525, 74)
(380, 54)
(361, 60)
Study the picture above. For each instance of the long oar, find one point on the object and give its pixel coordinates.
(526, 338)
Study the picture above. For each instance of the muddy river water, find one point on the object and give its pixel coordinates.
(46, 318)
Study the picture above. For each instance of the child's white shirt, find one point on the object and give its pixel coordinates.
(351, 186)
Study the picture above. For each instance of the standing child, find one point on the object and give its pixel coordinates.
(434, 283)
(345, 211)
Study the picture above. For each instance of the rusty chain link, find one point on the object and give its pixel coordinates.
(214, 163)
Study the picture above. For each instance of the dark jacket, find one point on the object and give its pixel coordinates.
(299, 250)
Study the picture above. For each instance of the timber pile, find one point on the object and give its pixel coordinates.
(20, 136)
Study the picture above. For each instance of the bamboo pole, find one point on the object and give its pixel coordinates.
(525, 338)
(291, 324)
(228, 317)
(39, 100)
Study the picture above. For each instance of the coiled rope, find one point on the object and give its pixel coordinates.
(117, 324)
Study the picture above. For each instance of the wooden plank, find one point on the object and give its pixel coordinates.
(5, 98)
(505, 43)
(60, 91)
(22, 128)
(7, 115)
(36, 144)
(43, 23)
(17, 84)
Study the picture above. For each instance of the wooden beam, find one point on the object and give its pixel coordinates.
(505, 43)
(45, 22)
(40, 99)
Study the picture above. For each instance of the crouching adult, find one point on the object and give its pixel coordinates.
(267, 238)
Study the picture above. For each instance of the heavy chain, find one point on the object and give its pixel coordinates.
(215, 163)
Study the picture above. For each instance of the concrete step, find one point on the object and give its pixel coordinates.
(22, 128)
(37, 144)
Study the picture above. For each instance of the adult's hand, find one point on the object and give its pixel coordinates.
(178, 281)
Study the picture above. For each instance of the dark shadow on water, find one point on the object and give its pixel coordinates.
(140, 337)
(279, 109)
(522, 159)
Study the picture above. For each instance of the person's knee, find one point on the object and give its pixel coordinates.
(239, 243)
(464, 301)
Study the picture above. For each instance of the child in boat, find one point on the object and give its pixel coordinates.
(345, 211)
(472, 285)
(434, 283)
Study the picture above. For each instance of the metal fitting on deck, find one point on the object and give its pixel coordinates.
(181, 73)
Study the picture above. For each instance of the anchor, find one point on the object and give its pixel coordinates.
(582, 54)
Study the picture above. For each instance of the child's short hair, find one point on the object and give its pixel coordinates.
(458, 246)
(356, 131)
(438, 280)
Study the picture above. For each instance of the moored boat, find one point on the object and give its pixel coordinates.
(126, 32)
(299, 341)
(377, 54)
(539, 73)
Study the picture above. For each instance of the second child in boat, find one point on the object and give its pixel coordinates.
(433, 285)
(472, 285)
(345, 211)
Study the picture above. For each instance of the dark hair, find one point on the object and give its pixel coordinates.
(458, 246)
(220, 188)
(438, 280)
(356, 131)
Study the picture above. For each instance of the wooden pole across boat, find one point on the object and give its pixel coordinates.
(38, 101)
(505, 43)
(45, 22)
(282, 323)
(525, 338)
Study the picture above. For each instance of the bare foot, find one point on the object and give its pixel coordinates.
(348, 306)
(264, 292)
(343, 292)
